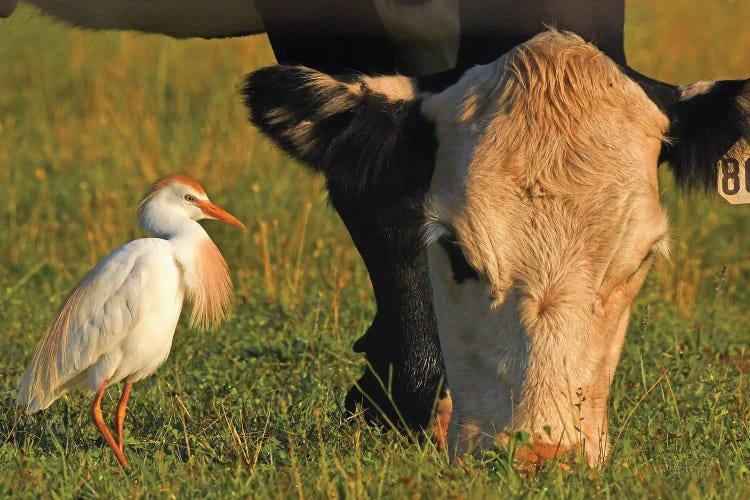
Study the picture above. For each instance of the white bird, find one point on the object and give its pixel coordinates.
(118, 322)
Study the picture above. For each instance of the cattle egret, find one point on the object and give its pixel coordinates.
(118, 322)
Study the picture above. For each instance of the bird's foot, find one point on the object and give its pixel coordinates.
(441, 421)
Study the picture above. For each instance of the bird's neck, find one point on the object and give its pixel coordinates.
(205, 274)
(172, 224)
(204, 270)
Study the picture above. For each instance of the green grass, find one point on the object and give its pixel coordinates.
(87, 120)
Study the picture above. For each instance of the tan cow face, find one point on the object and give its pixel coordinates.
(542, 218)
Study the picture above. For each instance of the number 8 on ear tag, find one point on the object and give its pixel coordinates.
(733, 176)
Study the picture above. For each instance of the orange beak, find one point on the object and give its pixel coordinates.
(216, 212)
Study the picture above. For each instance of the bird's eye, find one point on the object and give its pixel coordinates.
(189, 198)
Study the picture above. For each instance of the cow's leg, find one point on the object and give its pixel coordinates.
(402, 349)
(324, 36)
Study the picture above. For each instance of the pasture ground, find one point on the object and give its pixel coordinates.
(254, 409)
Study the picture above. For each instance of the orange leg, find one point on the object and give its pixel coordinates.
(121, 409)
(96, 416)
(441, 421)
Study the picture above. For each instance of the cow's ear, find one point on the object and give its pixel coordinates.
(365, 134)
(707, 120)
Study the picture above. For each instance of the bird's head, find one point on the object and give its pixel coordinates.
(176, 198)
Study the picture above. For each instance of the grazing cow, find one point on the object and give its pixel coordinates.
(426, 36)
(415, 37)
(542, 214)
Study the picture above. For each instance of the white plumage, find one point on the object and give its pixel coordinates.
(118, 322)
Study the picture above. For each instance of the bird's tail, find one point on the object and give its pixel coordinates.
(27, 398)
(30, 397)
(44, 381)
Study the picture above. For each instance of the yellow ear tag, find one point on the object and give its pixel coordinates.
(733, 174)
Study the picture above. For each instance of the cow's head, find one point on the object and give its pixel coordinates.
(541, 218)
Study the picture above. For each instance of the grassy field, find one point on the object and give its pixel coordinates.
(87, 120)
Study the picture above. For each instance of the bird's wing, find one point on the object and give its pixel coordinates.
(97, 315)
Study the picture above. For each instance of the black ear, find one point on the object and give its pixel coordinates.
(707, 119)
(365, 134)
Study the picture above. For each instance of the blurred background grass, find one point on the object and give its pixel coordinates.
(87, 120)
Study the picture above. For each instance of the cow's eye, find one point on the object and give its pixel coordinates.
(461, 268)
(643, 265)
(646, 260)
